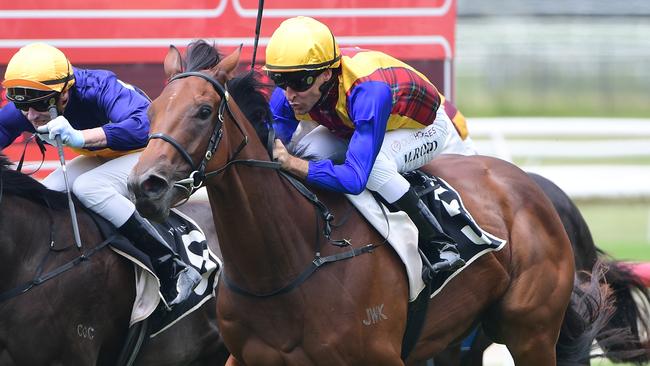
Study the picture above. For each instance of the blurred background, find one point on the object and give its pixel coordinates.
(556, 59)
(553, 58)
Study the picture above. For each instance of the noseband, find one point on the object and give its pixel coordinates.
(198, 175)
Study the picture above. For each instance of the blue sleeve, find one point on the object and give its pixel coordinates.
(284, 119)
(369, 107)
(126, 108)
(12, 124)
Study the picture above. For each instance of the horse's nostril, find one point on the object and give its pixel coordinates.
(153, 186)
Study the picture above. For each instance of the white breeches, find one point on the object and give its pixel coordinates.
(403, 150)
(100, 184)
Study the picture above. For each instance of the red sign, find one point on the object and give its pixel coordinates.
(127, 31)
(140, 31)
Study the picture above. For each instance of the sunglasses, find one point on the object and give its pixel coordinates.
(298, 81)
(39, 106)
(25, 98)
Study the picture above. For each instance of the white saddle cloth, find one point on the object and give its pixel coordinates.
(401, 233)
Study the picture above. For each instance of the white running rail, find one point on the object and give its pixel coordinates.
(593, 142)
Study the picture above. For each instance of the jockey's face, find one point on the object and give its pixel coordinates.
(38, 118)
(303, 101)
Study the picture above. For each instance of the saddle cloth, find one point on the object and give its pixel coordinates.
(446, 204)
(188, 240)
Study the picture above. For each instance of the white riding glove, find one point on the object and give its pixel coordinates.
(60, 126)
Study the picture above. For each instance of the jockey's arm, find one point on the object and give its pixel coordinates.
(94, 137)
(284, 119)
(126, 108)
(12, 123)
(369, 106)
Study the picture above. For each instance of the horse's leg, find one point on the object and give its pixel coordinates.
(530, 315)
(528, 321)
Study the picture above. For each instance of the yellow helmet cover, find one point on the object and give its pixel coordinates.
(39, 66)
(302, 43)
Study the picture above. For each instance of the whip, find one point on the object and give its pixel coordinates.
(59, 147)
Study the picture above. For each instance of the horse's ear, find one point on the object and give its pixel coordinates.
(173, 62)
(229, 64)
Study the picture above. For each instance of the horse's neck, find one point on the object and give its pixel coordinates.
(25, 238)
(265, 227)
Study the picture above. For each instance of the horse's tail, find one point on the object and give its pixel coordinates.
(632, 300)
(589, 311)
(588, 317)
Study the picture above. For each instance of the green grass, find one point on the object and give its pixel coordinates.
(621, 229)
(478, 97)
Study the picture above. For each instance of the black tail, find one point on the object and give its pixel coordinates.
(632, 301)
(589, 317)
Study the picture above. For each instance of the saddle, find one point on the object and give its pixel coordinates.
(446, 205)
(188, 240)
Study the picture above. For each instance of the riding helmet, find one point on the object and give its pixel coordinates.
(302, 43)
(38, 66)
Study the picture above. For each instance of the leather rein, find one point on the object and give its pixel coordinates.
(198, 176)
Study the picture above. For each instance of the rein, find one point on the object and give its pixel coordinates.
(41, 148)
(40, 278)
(198, 176)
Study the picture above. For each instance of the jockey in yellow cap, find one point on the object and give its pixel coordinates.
(104, 120)
(377, 117)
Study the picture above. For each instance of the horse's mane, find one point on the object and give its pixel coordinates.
(15, 183)
(247, 89)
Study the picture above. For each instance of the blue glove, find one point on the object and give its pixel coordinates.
(69, 136)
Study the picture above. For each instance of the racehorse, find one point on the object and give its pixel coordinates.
(629, 313)
(79, 313)
(279, 305)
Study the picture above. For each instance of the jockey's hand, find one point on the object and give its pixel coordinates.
(288, 162)
(60, 126)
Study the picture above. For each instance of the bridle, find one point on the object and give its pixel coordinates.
(198, 175)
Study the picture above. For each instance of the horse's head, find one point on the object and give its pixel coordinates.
(187, 123)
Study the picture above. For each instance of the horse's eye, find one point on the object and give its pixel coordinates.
(205, 112)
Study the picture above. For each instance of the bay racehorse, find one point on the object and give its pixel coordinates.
(630, 294)
(275, 308)
(79, 316)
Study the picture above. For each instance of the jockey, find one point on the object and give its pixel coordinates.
(377, 117)
(105, 121)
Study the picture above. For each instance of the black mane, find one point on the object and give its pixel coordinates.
(250, 94)
(201, 56)
(15, 183)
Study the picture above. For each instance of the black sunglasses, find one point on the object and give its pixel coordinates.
(39, 106)
(298, 81)
(25, 98)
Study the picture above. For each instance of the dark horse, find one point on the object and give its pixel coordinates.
(81, 316)
(629, 315)
(266, 233)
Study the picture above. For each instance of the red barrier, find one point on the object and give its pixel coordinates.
(642, 270)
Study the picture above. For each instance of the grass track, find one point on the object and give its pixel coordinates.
(621, 229)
